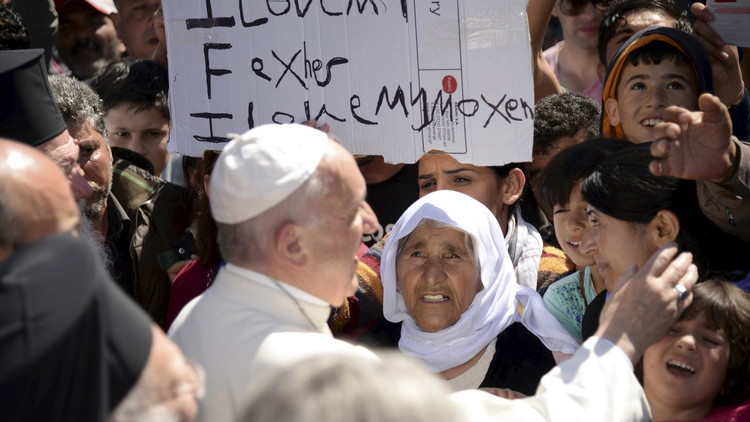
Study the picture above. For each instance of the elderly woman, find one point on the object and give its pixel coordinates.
(449, 286)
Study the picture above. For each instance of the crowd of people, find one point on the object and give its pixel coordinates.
(606, 279)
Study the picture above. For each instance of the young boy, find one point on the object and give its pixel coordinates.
(136, 113)
(657, 68)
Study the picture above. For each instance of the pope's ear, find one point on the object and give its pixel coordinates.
(289, 244)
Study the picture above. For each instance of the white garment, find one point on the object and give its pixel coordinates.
(528, 249)
(242, 328)
(500, 303)
(596, 384)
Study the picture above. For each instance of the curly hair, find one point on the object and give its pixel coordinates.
(13, 33)
(561, 115)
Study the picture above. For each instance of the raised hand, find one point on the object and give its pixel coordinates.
(695, 145)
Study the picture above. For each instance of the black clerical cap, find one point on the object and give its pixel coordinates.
(28, 112)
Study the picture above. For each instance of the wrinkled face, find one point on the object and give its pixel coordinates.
(443, 172)
(345, 218)
(634, 22)
(63, 150)
(135, 26)
(96, 161)
(570, 221)
(86, 39)
(145, 132)
(687, 367)
(645, 91)
(616, 245)
(437, 276)
(581, 29)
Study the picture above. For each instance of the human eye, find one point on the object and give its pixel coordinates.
(675, 85)
(461, 179)
(416, 254)
(85, 153)
(428, 185)
(637, 86)
(560, 210)
(121, 134)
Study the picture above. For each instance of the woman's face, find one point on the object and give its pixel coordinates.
(443, 172)
(616, 244)
(437, 276)
(687, 367)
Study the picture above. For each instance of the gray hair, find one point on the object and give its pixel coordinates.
(78, 103)
(248, 241)
(350, 388)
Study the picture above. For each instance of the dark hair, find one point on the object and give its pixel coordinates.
(726, 307)
(560, 115)
(78, 103)
(621, 186)
(618, 12)
(570, 166)
(141, 83)
(13, 33)
(205, 235)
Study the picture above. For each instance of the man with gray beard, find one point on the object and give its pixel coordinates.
(138, 217)
(82, 111)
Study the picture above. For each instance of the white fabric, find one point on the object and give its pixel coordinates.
(262, 167)
(242, 330)
(493, 309)
(528, 248)
(474, 376)
(596, 384)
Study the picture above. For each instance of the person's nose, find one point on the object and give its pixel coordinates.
(78, 184)
(434, 272)
(686, 342)
(588, 242)
(656, 99)
(369, 219)
(576, 223)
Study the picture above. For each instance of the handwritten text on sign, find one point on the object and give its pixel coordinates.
(394, 78)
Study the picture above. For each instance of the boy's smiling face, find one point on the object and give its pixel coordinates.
(643, 93)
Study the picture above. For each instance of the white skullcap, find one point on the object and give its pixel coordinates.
(262, 167)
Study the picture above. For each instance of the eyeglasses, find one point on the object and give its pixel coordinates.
(576, 7)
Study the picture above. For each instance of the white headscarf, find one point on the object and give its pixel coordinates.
(499, 304)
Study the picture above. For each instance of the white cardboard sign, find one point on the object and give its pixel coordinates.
(395, 78)
(731, 20)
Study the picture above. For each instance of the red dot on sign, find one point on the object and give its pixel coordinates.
(449, 84)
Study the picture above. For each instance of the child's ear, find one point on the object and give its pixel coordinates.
(610, 107)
